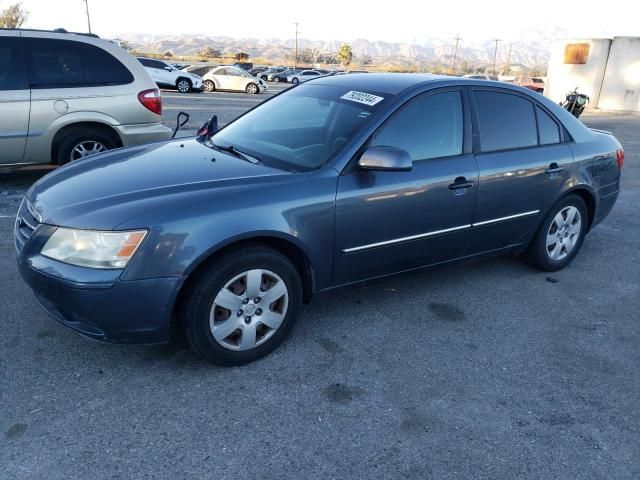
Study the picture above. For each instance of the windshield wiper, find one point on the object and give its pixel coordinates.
(234, 151)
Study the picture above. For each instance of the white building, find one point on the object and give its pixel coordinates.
(606, 70)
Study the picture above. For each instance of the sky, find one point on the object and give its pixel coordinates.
(347, 20)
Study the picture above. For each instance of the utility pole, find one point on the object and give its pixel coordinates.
(508, 60)
(495, 56)
(86, 3)
(295, 60)
(455, 55)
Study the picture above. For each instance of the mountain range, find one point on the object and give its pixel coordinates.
(530, 50)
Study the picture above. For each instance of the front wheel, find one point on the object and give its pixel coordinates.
(295, 80)
(183, 85)
(276, 79)
(560, 235)
(243, 306)
(252, 89)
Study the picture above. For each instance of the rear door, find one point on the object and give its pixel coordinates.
(392, 221)
(15, 101)
(523, 165)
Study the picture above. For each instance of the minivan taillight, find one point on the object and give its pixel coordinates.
(152, 100)
(620, 158)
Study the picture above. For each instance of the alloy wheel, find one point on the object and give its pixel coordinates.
(249, 309)
(252, 88)
(564, 233)
(184, 86)
(86, 149)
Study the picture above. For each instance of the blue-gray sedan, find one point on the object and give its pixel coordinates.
(333, 182)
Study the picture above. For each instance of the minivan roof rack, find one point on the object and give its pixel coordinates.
(56, 30)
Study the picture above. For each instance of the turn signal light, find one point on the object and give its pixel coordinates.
(152, 100)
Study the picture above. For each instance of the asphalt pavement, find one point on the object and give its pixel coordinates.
(486, 370)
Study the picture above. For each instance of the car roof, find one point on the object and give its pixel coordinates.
(392, 83)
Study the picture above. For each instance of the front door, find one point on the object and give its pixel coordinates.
(15, 101)
(392, 221)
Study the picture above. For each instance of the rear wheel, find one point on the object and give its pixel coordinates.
(183, 85)
(276, 79)
(252, 89)
(560, 235)
(243, 306)
(208, 86)
(80, 143)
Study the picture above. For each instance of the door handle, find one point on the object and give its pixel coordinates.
(554, 168)
(460, 183)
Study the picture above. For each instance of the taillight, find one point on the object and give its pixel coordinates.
(620, 158)
(152, 100)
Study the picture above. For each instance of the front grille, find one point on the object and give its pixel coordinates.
(27, 221)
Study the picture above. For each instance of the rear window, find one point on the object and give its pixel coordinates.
(12, 73)
(506, 121)
(66, 63)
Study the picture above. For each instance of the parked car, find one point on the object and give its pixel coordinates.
(64, 96)
(532, 83)
(246, 66)
(199, 70)
(482, 77)
(233, 79)
(303, 76)
(255, 71)
(337, 181)
(271, 74)
(167, 76)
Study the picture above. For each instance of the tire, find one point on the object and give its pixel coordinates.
(209, 86)
(276, 79)
(561, 234)
(90, 140)
(252, 89)
(295, 80)
(202, 316)
(183, 85)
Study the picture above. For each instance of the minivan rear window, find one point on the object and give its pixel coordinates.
(67, 63)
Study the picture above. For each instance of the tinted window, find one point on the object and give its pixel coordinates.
(506, 121)
(146, 62)
(548, 128)
(12, 73)
(65, 63)
(430, 126)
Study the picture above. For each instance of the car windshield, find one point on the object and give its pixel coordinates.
(302, 128)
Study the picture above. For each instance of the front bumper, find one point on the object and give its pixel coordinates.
(97, 303)
(142, 133)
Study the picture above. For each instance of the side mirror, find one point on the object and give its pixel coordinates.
(168, 68)
(208, 129)
(385, 159)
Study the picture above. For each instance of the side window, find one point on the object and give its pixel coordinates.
(506, 121)
(548, 128)
(430, 126)
(145, 62)
(66, 63)
(12, 71)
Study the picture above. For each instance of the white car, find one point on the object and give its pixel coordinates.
(232, 78)
(303, 76)
(168, 76)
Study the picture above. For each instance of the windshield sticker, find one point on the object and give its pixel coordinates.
(362, 97)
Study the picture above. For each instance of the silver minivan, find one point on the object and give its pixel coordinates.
(65, 96)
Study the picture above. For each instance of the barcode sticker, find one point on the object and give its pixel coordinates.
(362, 97)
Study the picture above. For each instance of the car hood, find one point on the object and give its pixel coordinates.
(109, 189)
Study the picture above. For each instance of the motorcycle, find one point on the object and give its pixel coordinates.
(575, 103)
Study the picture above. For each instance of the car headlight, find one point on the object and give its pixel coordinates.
(92, 248)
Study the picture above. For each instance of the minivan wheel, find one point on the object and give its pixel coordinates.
(183, 85)
(81, 143)
(208, 86)
(242, 306)
(560, 235)
(252, 89)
